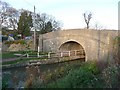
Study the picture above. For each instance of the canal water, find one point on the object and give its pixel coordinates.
(16, 77)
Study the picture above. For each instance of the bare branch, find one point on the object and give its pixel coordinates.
(87, 18)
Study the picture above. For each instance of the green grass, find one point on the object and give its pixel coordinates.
(7, 55)
(21, 61)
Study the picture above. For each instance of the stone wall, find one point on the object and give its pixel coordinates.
(88, 39)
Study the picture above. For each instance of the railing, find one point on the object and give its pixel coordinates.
(58, 54)
(67, 53)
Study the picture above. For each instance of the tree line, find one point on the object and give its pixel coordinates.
(23, 21)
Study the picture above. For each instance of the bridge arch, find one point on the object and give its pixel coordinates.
(72, 45)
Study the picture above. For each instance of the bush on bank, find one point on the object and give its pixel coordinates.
(88, 76)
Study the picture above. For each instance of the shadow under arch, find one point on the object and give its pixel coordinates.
(72, 46)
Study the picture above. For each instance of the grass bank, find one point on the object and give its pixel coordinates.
(10, 55)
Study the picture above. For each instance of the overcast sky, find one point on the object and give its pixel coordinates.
(70, 12)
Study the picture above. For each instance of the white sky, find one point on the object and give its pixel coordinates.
(70, 12)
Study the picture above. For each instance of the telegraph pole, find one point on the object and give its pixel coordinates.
(34, 31)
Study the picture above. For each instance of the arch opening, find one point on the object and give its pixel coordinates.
(74, 47)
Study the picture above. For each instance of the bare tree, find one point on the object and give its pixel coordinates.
(3, 15)
(87, 18)
(98, 26)
(8, 16)
(13, 18)
(46, 23)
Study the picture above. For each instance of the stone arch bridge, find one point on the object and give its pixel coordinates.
(77, 39)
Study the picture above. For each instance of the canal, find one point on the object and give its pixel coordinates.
(17, 76)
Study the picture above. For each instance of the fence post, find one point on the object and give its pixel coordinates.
(27, 55)
(49, 55)
(61, 54)
(38, 55)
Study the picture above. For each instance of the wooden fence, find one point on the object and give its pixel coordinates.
(59, 54)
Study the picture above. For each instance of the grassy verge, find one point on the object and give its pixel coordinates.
(20, 61)
(7, 55)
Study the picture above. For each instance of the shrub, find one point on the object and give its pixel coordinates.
(116, 50)
(76, 79)
(87, 76)
(110, 76)
(15, 42)
(82, 77)
(91, 66)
